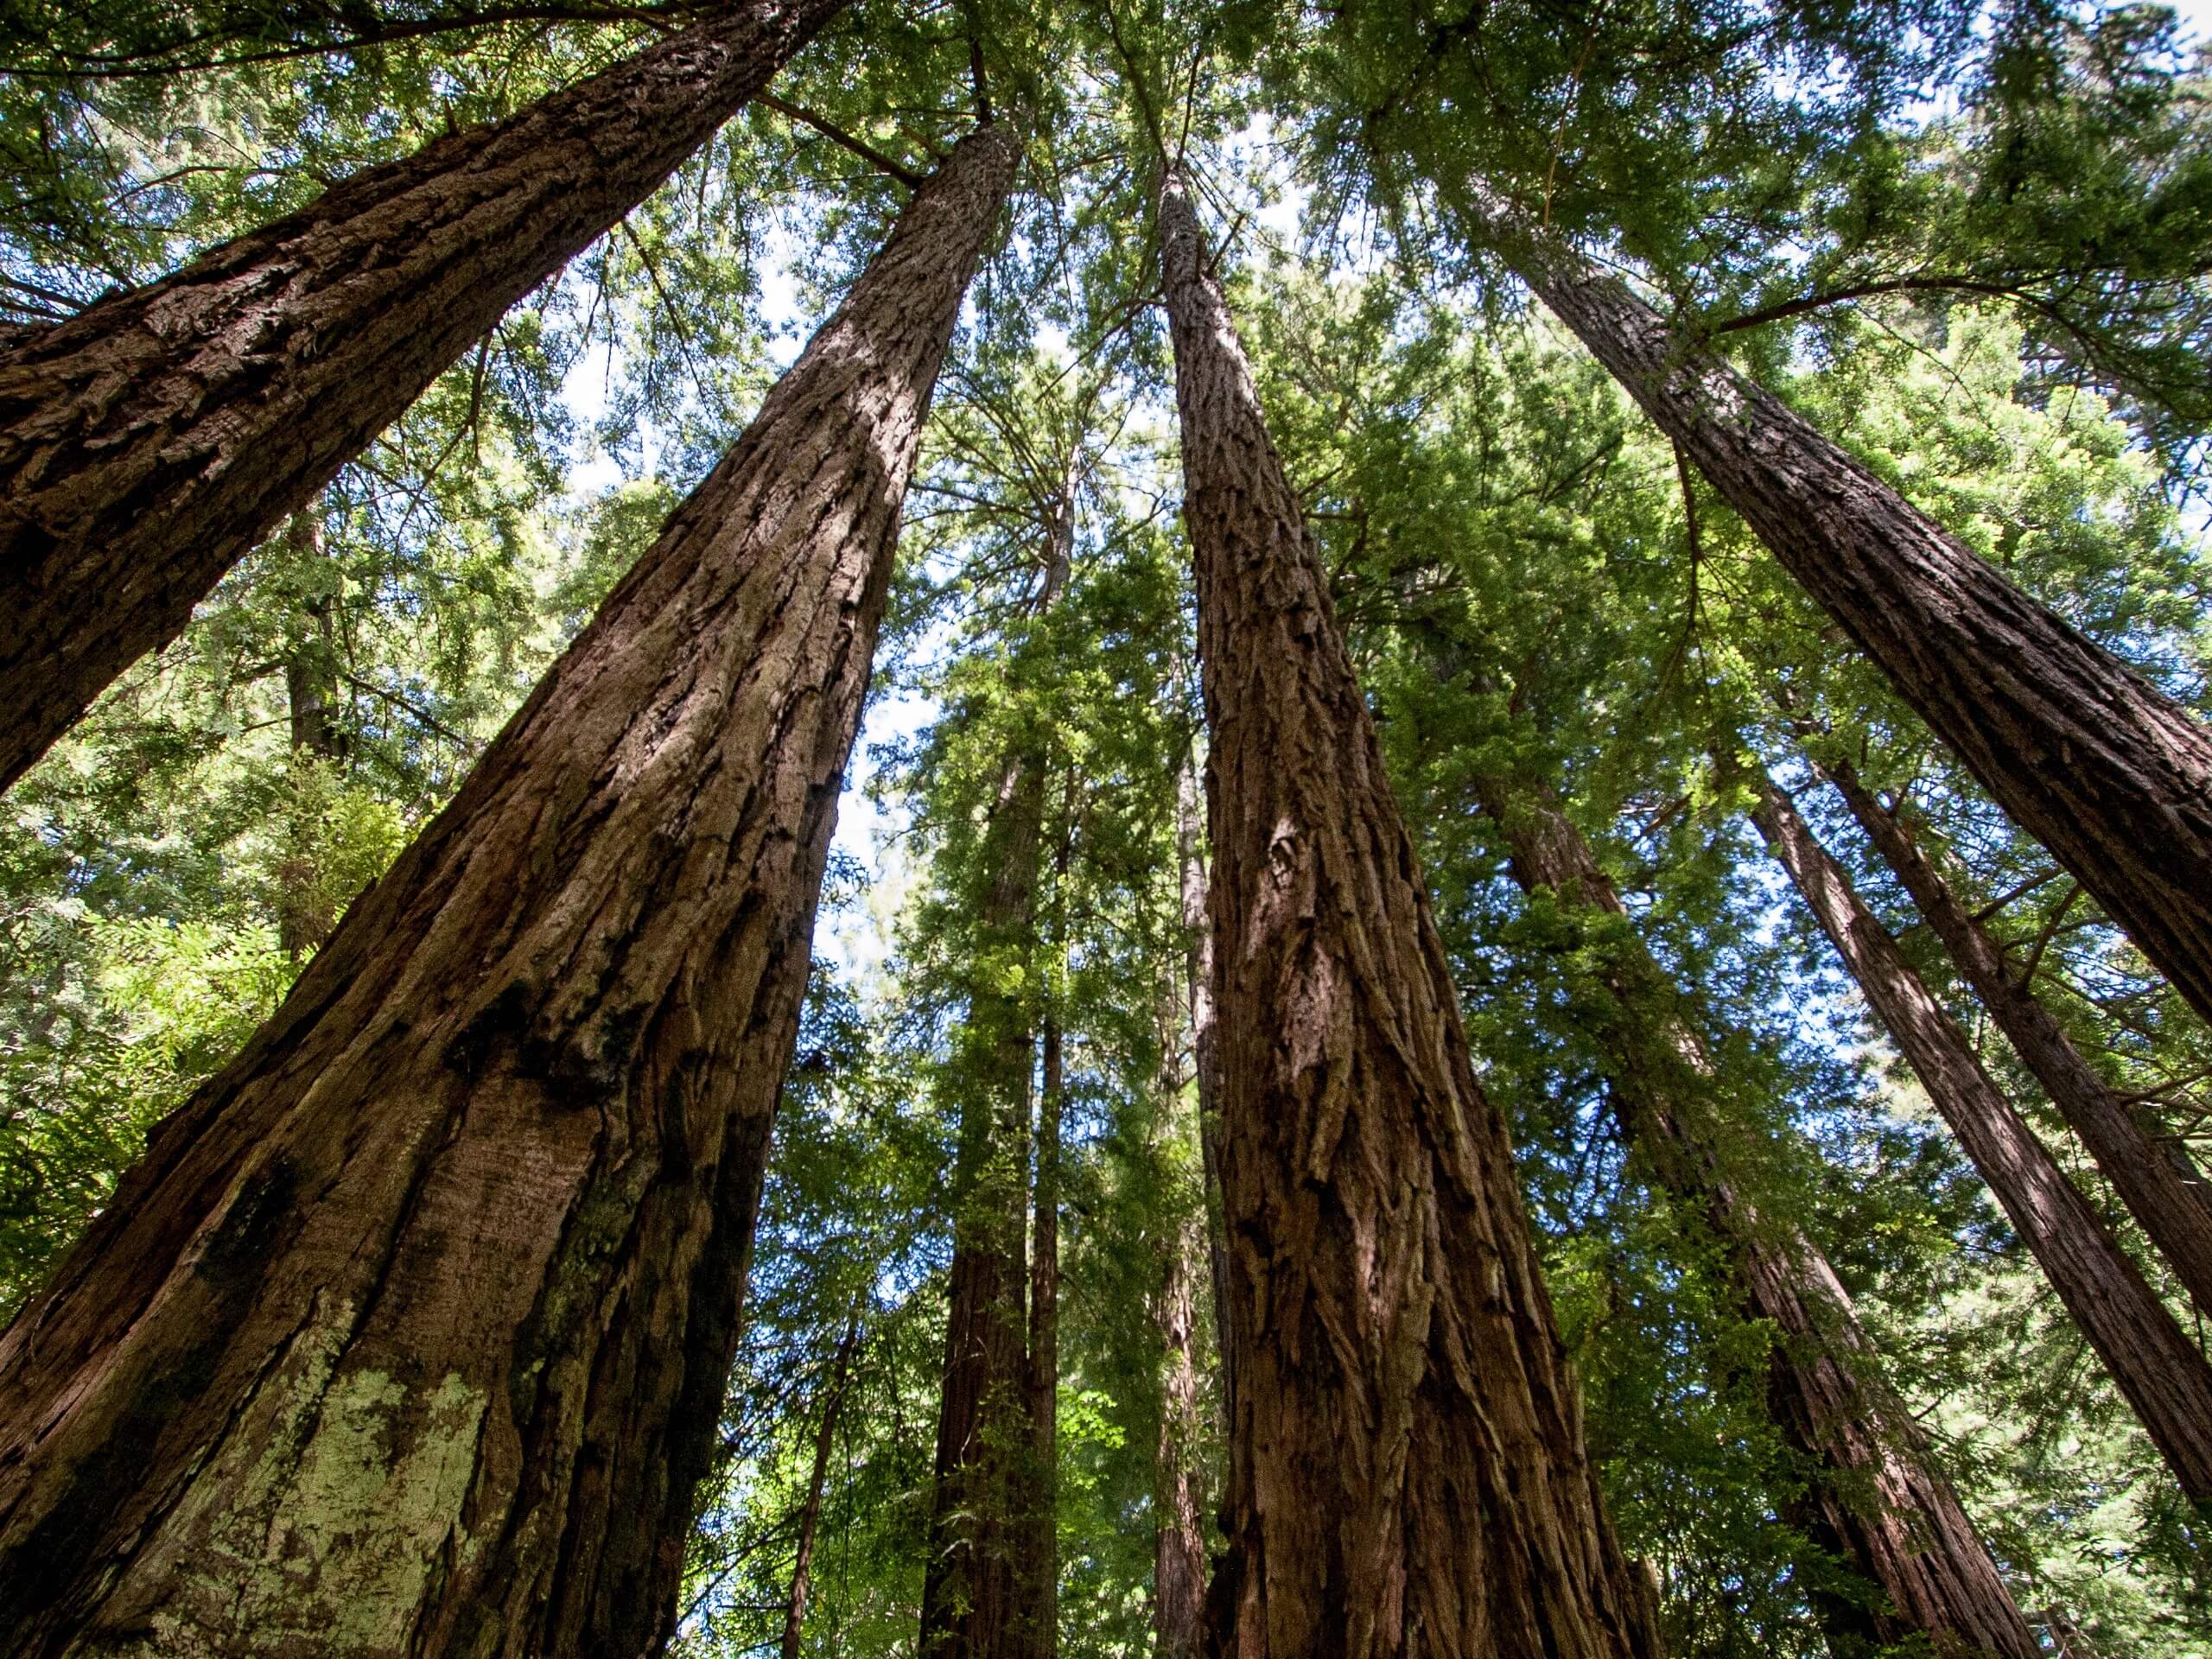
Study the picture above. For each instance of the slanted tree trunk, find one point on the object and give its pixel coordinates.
(1407, 1465)
(1878, 1500)
(147, 442)
(410, 1333)
(978, 1585)
(2113, 777)
(810, 1514)
(2157, 1368)
(2169, 1207)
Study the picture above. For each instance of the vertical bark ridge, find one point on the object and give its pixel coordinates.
(2079, 750)
(409, 1334)
(1407, 1467)
(148, 441)
(1877, 1498)
(1179, 1570)
(2166, 1202)
(2158, 1370)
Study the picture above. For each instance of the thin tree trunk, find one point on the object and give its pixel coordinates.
(1179, 1573)
(2159, 1370)
(410, 1333)
(810, 1514)
(1198, 963)
(2082, 753)
(2169, 1207)
(977, 1589)
(1878, 1500)
(1042, 1591)
(1407, 1465)
(147, 442)
(304, 915)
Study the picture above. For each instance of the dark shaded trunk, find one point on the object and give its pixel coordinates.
(1179, 1558)
(1406, 1465)
(305, 914)
(2169, 1207)
(410, 1333)
(1877, 1501)
(2082, 752)
(2156, 1368)
(148, 441)
(810, 1514)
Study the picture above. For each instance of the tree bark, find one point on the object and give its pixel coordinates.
(1406, 1466)
(2171, 1208)
(2082, 752)
(1877, 1500)
(2157, 1368)
(979, 1588)
(148, 441)
(410, 1333)
(810, 1514)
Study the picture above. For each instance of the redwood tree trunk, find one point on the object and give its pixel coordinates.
(410, 1333)
(148, 443)
(304, 915)
(2114, 779)
(1197, 964)
(1878, 1500)
(2155, 1366)
(1406, 1466)
(810, 1514)
(2170, 1210)
(1040, 1519)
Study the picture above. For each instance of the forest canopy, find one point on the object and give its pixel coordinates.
(939, 828)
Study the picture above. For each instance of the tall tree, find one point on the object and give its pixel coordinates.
(409, 1332)
(1407, 1468)
(2114, 779)
(2163, 1193)
(147, 442)
(810, 1516)
(1877, 1498)
(982, 1597)
(2164, 1376)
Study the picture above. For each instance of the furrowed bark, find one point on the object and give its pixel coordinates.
(2159, 1371)
(148, 441)
(1877, 1499)
(2081, 752)
(809, 1518)
(409, 1334)
(1197, 969)
(2171, 1208)
(1407, 1467)
(978, 1591)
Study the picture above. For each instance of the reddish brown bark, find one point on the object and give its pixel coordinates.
(1406, 1466)
(2160, 1372)
(146, 443)
(2170, 1210)
(304, 915)
(1040, 1589)
(2082, 752)
(1198, 966)
(810, 1514)
(1877, 1499)
(410, 1333)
